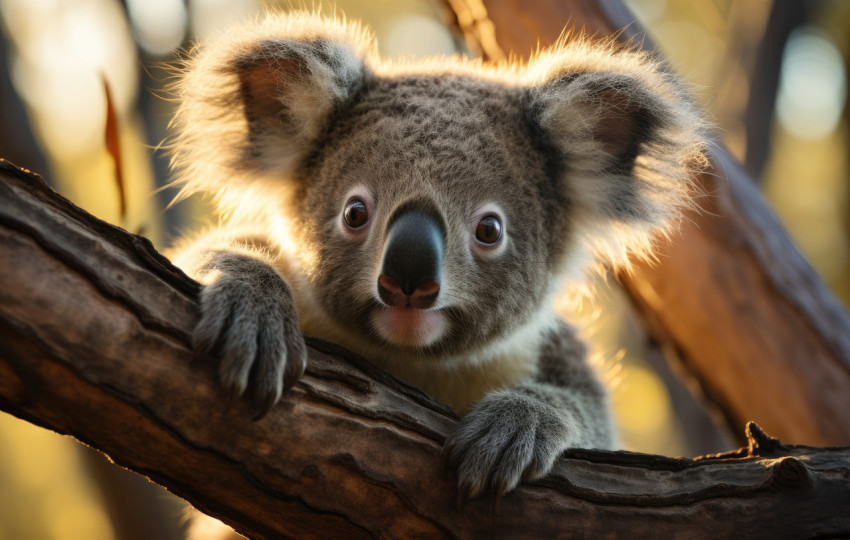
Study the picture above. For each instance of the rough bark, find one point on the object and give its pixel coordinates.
(751, 319)
(94, 343)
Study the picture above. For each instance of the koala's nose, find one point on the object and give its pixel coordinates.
(413, 258)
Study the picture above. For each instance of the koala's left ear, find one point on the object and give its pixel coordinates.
(629, 138)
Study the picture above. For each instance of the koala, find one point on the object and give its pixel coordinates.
(424, 214)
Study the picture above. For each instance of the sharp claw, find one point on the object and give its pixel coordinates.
(444, 457)
(530, 472)
(289, 381)
(462, 496)
(294, 370)
(500, 490)
(232, 395)
(200, 350)
(265, 407)
(197, 355)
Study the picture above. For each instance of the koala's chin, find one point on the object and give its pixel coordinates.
(409, 326)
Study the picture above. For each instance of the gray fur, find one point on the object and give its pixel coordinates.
(584, 151)
(248, 320)
(454, 142)
(516, 433)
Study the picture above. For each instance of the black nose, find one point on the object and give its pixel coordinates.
(413, 259)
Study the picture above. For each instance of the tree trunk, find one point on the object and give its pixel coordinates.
(751, 320)
(94, 343)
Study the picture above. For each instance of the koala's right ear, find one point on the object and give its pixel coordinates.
(254, 102)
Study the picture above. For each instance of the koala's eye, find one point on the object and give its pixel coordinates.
(489, 230)
(355, 214)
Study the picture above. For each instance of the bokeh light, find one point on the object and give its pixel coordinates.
(159, 25)
(813, 85)
(53, 498)
(59, 65)
(417, 36)
(211, 16)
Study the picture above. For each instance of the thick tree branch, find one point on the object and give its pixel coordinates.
(94, 343)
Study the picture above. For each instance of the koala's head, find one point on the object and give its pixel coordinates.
(436, 206)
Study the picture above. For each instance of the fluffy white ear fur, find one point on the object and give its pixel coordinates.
(263, 92)
(631, 140)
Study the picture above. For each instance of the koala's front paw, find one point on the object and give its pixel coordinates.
(508, 437)
(248, 321)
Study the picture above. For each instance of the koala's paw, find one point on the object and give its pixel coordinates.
(247, 320)
(509, 437)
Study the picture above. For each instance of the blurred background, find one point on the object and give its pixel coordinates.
(772, 75)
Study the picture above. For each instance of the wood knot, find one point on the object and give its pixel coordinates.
(790, 472)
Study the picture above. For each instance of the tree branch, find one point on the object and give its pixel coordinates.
(94, 343)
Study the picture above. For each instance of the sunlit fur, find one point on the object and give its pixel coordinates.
(210, 109)
(588, 150)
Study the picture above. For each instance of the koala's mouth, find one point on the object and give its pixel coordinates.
(409, 326)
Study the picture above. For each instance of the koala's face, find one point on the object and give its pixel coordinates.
(434, 208)
(437, 201)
